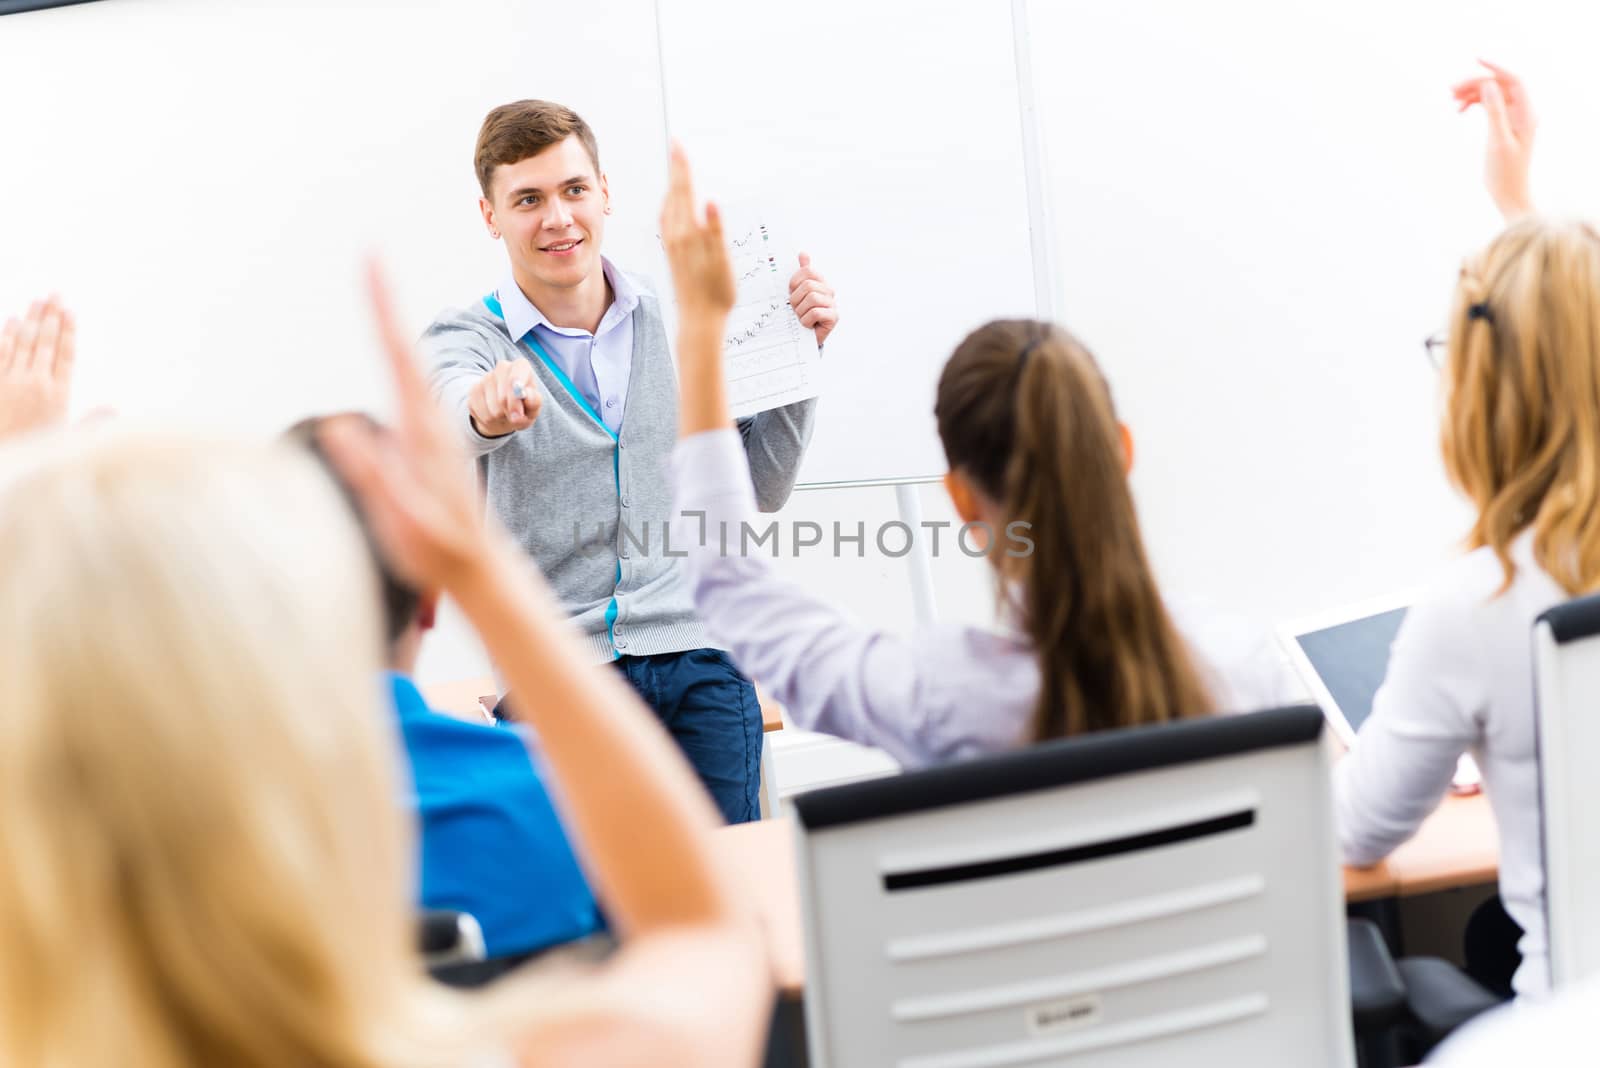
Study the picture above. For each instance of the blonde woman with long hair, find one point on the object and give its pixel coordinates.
(1520, 436)
(200, 821)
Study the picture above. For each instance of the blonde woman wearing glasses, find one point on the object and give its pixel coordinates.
(1521, 440)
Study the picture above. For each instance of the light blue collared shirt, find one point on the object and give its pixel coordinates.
(598, 364)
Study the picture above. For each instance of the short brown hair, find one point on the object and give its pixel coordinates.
(513, 132)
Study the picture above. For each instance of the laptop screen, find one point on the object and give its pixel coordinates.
(1351, 660)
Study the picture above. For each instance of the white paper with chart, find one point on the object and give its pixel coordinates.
(769, 359)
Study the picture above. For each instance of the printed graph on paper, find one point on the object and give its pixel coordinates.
(770, 359)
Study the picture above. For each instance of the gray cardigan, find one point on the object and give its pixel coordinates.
(592, 510)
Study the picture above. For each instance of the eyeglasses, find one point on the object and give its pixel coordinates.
(1435, 345)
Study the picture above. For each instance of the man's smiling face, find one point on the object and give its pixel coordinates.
(550, 209)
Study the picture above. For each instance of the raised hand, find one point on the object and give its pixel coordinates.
(36, 356)
(1512, 124)
(413, 484)
(702, 272)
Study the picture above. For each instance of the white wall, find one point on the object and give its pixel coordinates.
(887, 136)
(201, 180)
(1259, 210)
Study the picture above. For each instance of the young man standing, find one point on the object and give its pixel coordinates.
(562, 385)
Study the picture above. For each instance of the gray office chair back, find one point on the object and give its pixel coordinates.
(1566, 671)
(1153, 896)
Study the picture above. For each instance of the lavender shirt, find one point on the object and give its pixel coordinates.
(598, 363)
(943, 692)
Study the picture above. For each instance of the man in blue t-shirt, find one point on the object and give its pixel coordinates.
(492, 843)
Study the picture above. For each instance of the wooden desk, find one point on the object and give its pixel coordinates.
(1456, 846)
(460, 698)
(771, 713)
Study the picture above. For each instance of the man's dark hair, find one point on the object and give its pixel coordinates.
(400, 601)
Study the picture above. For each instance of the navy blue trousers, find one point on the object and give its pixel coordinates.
(711, 710)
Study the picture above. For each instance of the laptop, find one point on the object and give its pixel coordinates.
(1343, 656)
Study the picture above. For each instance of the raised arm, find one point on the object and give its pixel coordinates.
(36, 354)
(831, 672)
(1508, 152)
(640, 818)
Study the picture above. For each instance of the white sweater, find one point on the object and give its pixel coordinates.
(1548, 1034)
(1460, 679)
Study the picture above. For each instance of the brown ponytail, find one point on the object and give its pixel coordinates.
(1024, 412)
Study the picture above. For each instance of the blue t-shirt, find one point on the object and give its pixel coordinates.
(492, 844)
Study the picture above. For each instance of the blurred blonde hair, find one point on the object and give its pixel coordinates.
(1521, 431)
(205, 858)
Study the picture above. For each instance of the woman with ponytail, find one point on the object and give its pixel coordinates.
(1020, 405)
(1520, 435)
(1038, 459)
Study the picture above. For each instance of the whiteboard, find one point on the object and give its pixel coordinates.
(216, 172)
(201, 179)
(1260, 211)
(887, 137)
